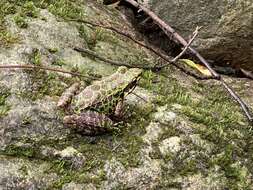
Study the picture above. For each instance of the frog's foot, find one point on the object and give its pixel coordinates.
(89, 123)
(67, 96)
(119, 111)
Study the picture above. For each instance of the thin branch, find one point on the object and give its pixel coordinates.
(238, 99)
(139, 97)
(119, 32)
(195, 33)
(168, 30)
(92, 53)
(247, 74)
(42, 68)
(152, 49)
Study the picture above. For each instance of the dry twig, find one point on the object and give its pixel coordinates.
(168, 30)
(94, 54)
(43, 68)
(195, 33)
(149, 47)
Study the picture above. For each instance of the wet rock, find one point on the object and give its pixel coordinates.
(226, 31)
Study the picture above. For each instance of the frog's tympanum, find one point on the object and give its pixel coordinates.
(95, 107)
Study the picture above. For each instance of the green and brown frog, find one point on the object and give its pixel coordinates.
(96, 107)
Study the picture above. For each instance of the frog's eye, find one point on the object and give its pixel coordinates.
(122, 70)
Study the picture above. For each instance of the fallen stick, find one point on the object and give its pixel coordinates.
(152, 49)
(25, 66)
(168, 30)
(117, 63)
(195, 33)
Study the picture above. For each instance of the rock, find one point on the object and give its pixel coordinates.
(18, 173)
(227, 27)
(135, 178)
(177, 106)
(153, 131)
(198, 181)
(68, 154)
(176, 142)
(196, 139)
(141, 98)
(170, 145)
(164, 116)
(74, 186)
(41, 33)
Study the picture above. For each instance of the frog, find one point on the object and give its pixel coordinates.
(97, 108)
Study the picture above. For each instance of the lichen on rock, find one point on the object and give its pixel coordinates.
(167, 138)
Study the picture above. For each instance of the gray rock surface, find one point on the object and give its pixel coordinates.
(171, 144)
(167, 138)
(227, 27)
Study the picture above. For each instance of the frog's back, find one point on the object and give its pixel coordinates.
(101, 90)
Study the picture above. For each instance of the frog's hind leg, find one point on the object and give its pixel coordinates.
(67, 96)
(89, 123)
(119, 110)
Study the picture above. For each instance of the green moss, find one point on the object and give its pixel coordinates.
(89, 36)
(60, 182)
(4, 107)
(65, 9)
(147, 81)
(20, 21)
(24, 170)
(42, 84)
(67, 174)
(19, 151)
(29, 9)
(59, 62)
(213, 112)
(6, 38)
(53, 50)
(168, 90)
(236, 175)
(35, 57)
(216, 118)
(26, 121)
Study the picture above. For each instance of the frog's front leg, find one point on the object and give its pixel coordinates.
(89, 122)
(67, 95)
(119, 110)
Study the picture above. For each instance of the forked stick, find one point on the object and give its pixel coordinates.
(129, 36)
(168, 30)
(195, 33)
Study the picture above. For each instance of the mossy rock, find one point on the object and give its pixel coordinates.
(38, 151)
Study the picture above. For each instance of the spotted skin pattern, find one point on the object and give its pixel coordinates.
(95, 106)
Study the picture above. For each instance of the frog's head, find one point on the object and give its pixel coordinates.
(129, 77)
